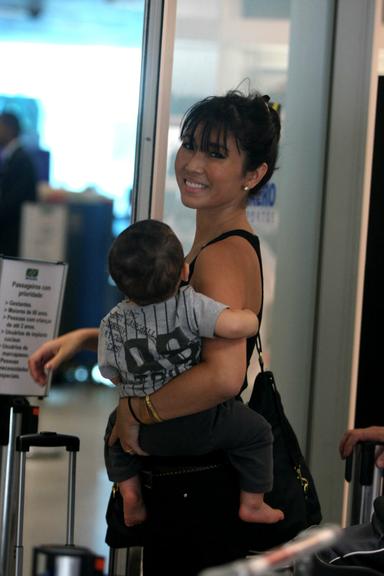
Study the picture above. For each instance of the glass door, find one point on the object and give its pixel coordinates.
(283, 49)
(71, 73)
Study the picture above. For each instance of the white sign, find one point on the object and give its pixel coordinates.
(31, 296)
(44, 230)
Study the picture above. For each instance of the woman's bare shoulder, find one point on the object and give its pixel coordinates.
(231, 253)
(224, 269)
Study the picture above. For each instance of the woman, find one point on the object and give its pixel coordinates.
(228, 150)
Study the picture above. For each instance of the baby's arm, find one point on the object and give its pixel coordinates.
(233, 323)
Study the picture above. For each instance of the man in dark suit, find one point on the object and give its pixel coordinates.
(18, 182)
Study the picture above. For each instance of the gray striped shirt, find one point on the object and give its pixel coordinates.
(146, 346)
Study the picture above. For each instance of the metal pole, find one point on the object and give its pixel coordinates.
(20, 518)
(71, 498)
(366, 504)
(377, 481)
(14, 422)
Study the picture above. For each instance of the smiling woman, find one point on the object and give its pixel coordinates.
(225, 264)
(220, 158)
(202, 175)
(228, 151)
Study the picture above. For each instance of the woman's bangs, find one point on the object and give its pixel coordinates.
(210, 130)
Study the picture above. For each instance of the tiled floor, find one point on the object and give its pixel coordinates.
(82, 410)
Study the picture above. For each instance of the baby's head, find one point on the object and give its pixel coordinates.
(146, 262)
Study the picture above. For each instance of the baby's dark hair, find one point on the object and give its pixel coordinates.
(145, 261)
(250, 119)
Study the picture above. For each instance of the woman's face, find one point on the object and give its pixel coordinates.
(211, 178)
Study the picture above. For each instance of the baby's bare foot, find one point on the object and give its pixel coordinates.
(133, 505)
(134, 509)
(254, 509)
(264, 515)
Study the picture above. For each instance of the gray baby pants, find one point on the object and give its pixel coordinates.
(242, 433)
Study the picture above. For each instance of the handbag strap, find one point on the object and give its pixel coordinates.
(259, 351)
(289, 435)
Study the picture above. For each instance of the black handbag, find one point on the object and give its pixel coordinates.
(293, 489)
(192, 505)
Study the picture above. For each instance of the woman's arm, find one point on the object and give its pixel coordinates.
(54, 352)
(229, 272)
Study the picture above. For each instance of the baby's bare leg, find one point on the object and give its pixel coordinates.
(254, 509)
(134, 508)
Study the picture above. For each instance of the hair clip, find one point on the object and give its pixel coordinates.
(276, 106)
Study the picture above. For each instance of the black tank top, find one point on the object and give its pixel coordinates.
(254, 241)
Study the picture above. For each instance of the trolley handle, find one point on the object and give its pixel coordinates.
(47, 439)
(366, 465)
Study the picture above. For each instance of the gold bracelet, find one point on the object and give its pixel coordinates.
(149, 417)
(152, 410)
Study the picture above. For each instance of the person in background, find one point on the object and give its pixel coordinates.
(355, 435)
(18, 182)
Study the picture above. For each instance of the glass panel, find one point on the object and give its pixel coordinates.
(232, 44)
(70, 70)
(283, 49)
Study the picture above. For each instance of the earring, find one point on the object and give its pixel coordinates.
(246, 188)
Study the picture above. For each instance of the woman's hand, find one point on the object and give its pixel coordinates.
(126, 430)
(54, 352)
(352, 437)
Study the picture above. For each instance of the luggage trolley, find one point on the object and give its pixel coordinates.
(366, 480)
(54, 559)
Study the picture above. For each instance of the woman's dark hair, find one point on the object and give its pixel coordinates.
(145, 261)
(251, 120)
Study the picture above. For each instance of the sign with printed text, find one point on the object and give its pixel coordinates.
(261, 210)
(31, 296)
